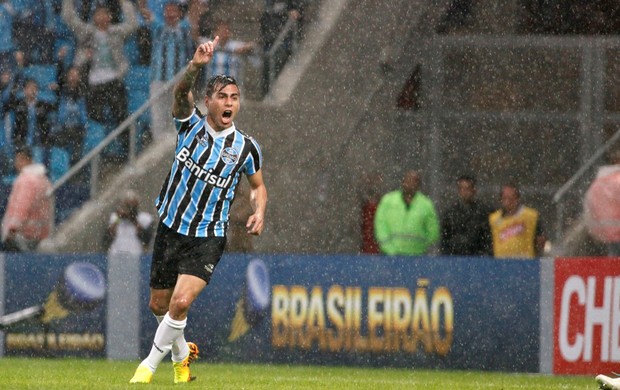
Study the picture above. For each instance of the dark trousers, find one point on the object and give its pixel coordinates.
(71, 139)
(107, 104)
(111, 96)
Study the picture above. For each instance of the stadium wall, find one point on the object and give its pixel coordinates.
(559, 316)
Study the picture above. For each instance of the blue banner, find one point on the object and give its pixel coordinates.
(54, 305)
(417, 312)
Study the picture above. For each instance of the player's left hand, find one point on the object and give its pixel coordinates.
(255, 224)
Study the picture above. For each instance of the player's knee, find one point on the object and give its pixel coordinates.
(159, 307)
(180, 304)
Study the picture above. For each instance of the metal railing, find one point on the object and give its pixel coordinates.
(290, 27)
(93, 156)
(559, 195)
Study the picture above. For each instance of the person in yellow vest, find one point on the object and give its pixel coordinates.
(515, 228)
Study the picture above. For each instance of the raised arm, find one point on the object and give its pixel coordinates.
(130, 22)
(183, 104)
(69, 15)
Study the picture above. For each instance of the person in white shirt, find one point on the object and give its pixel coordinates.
(129, 229)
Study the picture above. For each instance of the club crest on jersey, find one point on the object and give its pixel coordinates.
(230, 155)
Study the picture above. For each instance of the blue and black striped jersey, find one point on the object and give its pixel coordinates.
(171, 50)
(196, 196)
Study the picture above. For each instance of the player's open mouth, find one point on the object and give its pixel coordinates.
(227, 114)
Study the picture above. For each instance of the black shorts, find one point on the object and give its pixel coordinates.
(174, 253)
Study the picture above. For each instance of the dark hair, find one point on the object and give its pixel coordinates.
(220, 80)
(23, 150)
(101, 7)
(512, 185)
(469, 178)
(31, 80)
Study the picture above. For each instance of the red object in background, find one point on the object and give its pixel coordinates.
(409, 97)
(586, 316)
(369, 244)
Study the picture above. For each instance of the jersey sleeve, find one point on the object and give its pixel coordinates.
(255, 158)
(182, 124)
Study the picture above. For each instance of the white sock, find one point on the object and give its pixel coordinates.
(158, 318)
(167, 332)
(180, 350)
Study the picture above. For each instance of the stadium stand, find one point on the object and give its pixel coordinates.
(46, 77)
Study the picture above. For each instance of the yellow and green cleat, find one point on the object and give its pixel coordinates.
(142, 375)
(181, 369)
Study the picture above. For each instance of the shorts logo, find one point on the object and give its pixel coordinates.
(209, 268)
(230, 155)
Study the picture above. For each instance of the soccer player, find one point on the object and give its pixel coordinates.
(193, 206)
(607, 383)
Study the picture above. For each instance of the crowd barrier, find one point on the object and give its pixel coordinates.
(559, 316)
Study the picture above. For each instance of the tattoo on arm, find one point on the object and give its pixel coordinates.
(183, 100)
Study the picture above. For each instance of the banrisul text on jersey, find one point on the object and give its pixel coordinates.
(202, 174)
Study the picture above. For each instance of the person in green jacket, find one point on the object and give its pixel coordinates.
(406, 221)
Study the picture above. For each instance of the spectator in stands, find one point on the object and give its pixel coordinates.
(129, 229)
(35, 30)
(7, 41)
(102, 52)
(200, 19)
(28, 216)
(157, 7)
(602, 205)
(465, 225)
(516, 229)
(86, 9)
(64, 62)
(33, 120)
(227, 58)
(275, 15)
(19, 69)
(406, 222)
(7, 88)
(70, 128)
(6, 147)
(172, 49)
(142, 37)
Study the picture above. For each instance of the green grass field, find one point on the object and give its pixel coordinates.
(101, 374)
